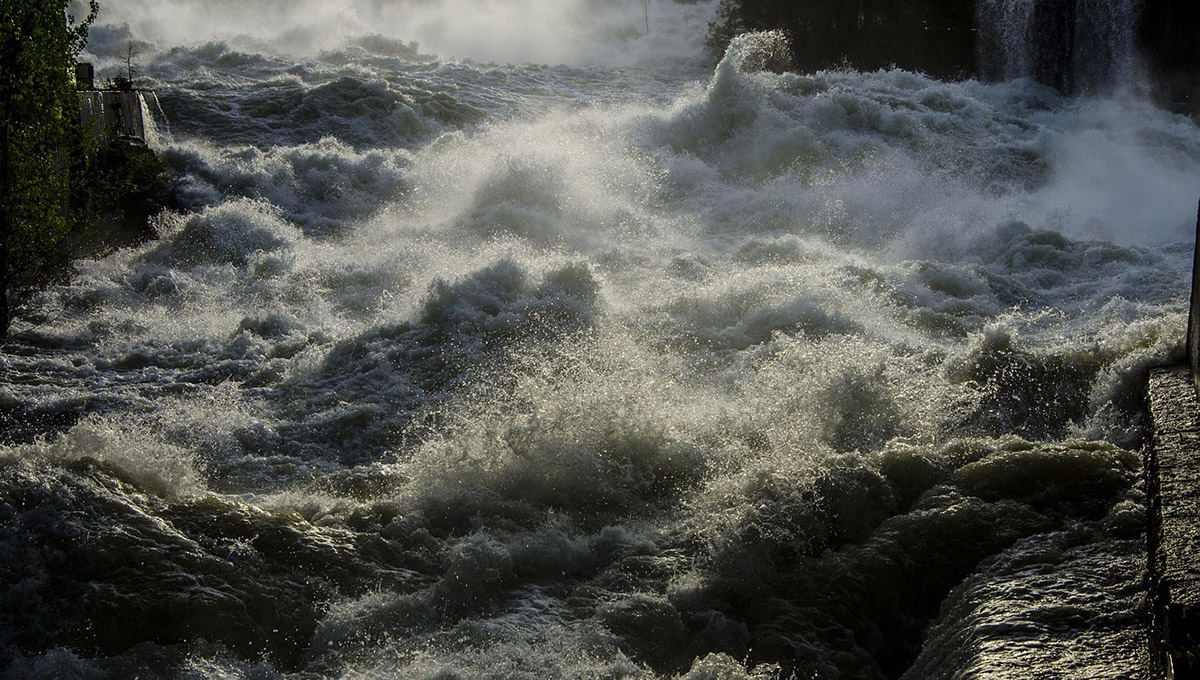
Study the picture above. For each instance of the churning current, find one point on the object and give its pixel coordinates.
(512, 341)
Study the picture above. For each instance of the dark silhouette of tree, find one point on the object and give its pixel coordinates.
(40, 139)
(129, 60)
(950, 39)
(933, 36)
(646, 13)
(1169, 41)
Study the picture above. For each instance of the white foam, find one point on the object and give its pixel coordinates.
(149, 461)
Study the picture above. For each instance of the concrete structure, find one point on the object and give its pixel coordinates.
(1193, 332)
(113, 114)
(1172, 471)
(85, 76)
(1173, 494)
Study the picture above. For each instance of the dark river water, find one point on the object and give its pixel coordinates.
(505, 340)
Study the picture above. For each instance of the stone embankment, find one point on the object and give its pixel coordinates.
(1173, 492)
(1173, 478)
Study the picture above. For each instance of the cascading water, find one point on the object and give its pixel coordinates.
(1078, 46)
(459, 366)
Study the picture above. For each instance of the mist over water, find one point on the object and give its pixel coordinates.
(576, 32)
(559, 352)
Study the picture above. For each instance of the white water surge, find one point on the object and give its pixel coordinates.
(620, 367)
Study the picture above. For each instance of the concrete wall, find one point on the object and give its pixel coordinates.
(1172, 470)
(1193, 333)
(113, 113)
(1173, 497)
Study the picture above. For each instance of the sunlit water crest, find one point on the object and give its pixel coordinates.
(628, 366)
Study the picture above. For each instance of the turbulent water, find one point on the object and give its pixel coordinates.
(506, 340)
(1080, 45)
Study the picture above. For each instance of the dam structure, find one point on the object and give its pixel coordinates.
(1173, 537)
(113, 113)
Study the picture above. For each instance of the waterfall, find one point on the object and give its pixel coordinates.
(151, 116)
(1078, 46)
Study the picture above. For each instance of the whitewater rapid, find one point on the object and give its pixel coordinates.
(586, 358)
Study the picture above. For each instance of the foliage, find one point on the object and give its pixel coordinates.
(42, 143)
(128, 184)
(729, 25)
